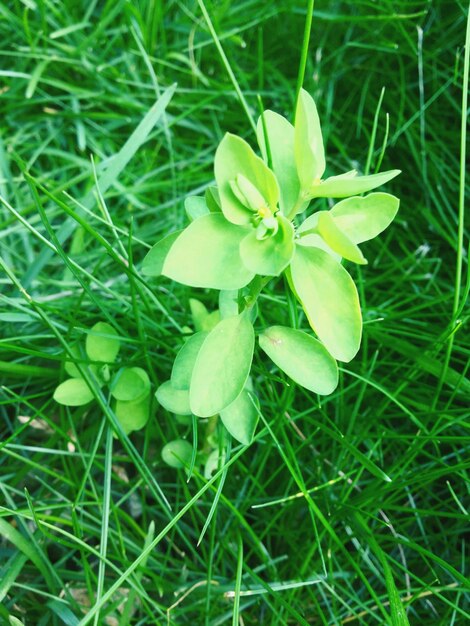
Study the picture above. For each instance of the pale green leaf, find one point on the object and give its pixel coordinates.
(173, 400)
(212, 198)
(131, 384)
(70, 366)
(280, 136)
(337, 240)
(301, 357)
(14, 621)
(195, 206)
(222, 366)
(269, 256)
(207, 254)
(348, 184)
(308, 142)
(73, 392)
(177, 453)
(199, 313)
(232, 158)
(202, 319)
(228, 303)
(185, 360)
(155, 258)
(133, 415)
(329, 298)
(308, 236)
(362, 219)
(241, 417)
(102, 343)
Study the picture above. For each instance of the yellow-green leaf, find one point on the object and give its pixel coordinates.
(308, 141)
(280, 137)
(222, 366)
(337, 240)
(102, 343)
(362, 219)
(207, 254)
(73, 392)
(330, 300)
(269, 256)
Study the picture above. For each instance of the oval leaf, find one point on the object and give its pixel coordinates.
(73, 392)
(131, 384)
(207, 254)
(155, 258)
(329, 298)
(185, 360)
(270, 256)
(133, 415)
(280, 139)
(235, 157)
(102, 343)
(301, 357)
(308, 141)
(173, 400)
(195, 206)
(241, 417)
(177, 453)
(350, 184)
(222, 366)
(362, 219)
(337, 240)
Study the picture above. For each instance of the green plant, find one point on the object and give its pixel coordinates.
(129, 386)
(248, 230)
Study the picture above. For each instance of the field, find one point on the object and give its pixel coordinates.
(346, 509)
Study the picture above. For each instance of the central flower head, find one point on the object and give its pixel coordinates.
(263, 218)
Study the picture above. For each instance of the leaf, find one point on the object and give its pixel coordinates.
(70, 366)
(207, 254)
(211, 196)
(362, 219)
(185, 360)
(133, 415)
(228, 303)
(329, 298)
(202, 319)
(155, 258)
(195, 206)
(308, 235)
(199, 313)
(280, 135)
(349, 184)
(232, 158)
(308, 142)
(270, 256)
(131, 384)
(73, 392)
(102, 343)
(337, 240)
(173, 400)
(177, 453)
(241, 417)
(222, 366)
(301, 357)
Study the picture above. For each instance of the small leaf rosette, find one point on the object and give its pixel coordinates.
(130, 386)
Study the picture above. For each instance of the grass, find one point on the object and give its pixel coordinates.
(348, 511)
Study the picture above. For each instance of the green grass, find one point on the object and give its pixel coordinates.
(348, 511)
